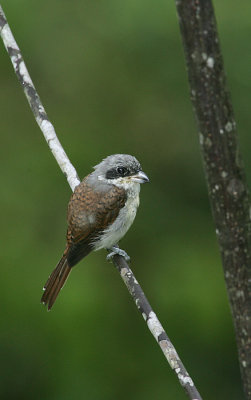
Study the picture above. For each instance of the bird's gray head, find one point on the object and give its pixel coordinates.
(121, 170)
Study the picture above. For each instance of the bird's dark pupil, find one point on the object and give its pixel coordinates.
(117, 172)
(122, 171)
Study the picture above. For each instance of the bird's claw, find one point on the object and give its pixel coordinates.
(120, 252)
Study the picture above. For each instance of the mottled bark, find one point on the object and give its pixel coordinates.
(126, 273)
(35, 102)
(224, 170)
(155, 327)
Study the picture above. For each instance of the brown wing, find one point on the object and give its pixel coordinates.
(89, 213)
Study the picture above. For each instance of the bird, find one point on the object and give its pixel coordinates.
(100, 211)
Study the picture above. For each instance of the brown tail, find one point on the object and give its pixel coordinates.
(55, 282)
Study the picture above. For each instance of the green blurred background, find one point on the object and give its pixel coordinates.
(112, 78)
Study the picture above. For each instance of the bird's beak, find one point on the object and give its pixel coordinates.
(140, 177)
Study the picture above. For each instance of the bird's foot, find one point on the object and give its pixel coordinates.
(116, 250)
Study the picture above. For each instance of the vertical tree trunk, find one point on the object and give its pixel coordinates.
(224, 171)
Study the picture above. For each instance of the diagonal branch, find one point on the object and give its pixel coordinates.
(35, 103)
(155, 327)
(125, 272)
(228, 191)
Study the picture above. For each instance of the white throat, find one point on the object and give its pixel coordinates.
(125, 218)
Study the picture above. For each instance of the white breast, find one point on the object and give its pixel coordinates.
(124, 220)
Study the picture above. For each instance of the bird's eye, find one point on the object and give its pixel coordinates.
(122, 171)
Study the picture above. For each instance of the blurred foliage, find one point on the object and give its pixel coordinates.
(112, 78)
